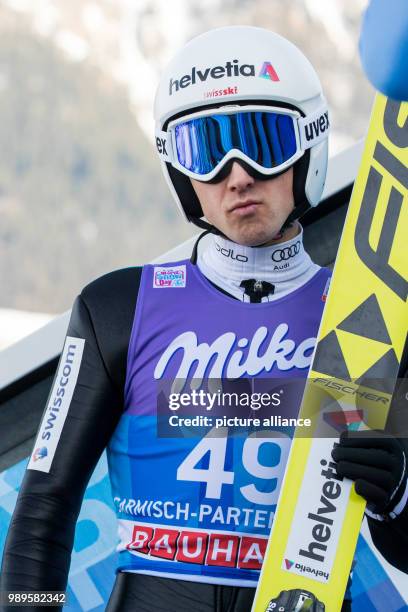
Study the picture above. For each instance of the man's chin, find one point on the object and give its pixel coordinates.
(256, 235)
(253, 240)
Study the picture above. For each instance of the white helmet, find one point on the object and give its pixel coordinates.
(240, 65)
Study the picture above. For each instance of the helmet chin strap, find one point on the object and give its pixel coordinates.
(211, 229)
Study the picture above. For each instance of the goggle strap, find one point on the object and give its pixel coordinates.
(163, 145)
(314, 128)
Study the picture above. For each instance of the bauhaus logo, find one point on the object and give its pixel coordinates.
(231, 69)
(193, 546)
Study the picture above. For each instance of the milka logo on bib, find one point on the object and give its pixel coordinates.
(169, 277)
(233, 357)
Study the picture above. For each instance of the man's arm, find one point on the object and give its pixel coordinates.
(39, 543)
(390, 534)
(378, 463)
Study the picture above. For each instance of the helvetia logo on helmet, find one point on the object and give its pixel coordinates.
(268, 72)
(231, 69)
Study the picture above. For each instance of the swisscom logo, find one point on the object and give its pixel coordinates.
(230, 69)
(40, 453)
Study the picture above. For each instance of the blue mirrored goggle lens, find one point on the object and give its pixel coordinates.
(265, 137)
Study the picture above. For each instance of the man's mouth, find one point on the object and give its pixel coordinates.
(245, 207)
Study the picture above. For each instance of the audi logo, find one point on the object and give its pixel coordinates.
(286, 253)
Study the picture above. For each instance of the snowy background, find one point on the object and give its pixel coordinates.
(81, 192)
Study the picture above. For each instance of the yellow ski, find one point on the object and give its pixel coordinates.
(358, 352)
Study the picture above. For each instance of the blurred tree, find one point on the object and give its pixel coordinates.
(81, 190)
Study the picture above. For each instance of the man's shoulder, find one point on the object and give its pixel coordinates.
(111, 298)
(120, 285)
(123, 280)
(116, 285)
(111, 302)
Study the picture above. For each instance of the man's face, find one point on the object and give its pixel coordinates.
(247, 210)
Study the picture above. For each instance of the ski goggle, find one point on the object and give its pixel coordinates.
(269, 139)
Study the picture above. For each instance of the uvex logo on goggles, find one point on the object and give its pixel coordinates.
(268, 138)
(317, 126)
(231, 69)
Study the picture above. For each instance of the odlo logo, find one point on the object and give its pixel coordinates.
(230, 69)
(230, 253)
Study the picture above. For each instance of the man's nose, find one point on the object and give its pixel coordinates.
(239, 179)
